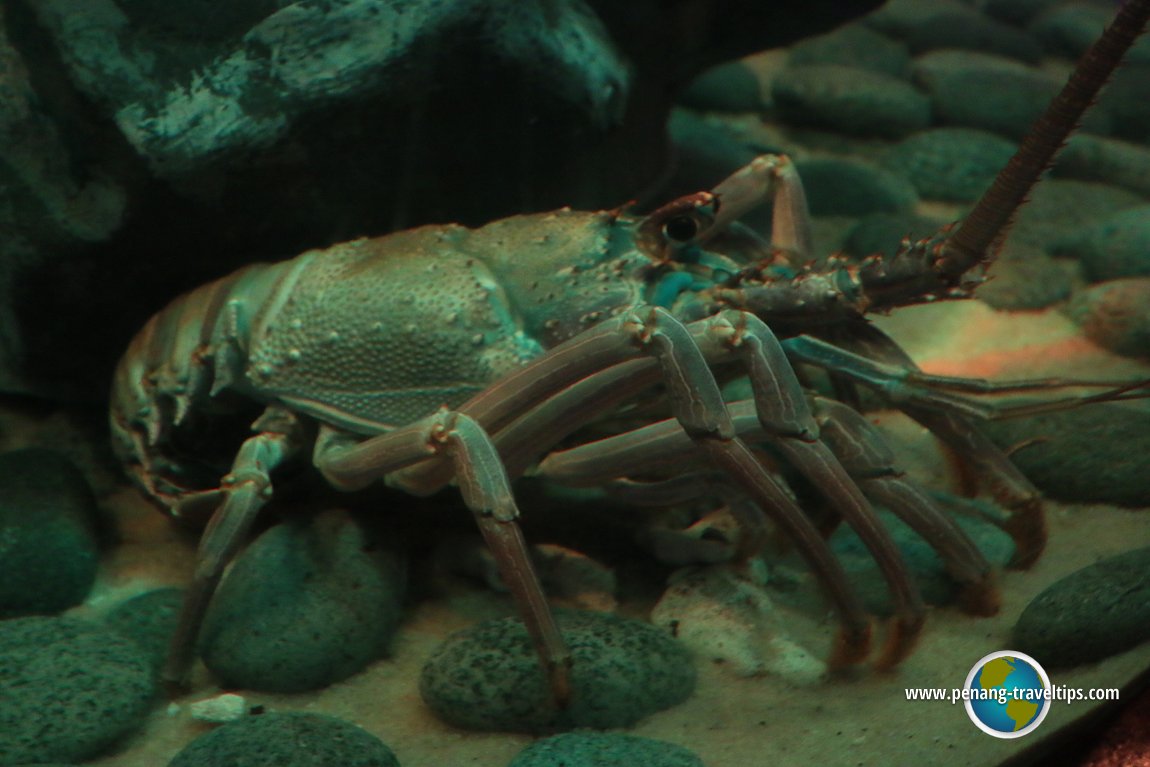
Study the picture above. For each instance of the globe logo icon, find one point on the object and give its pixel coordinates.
(1007, 694)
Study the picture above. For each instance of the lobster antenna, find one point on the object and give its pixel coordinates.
(992, 215)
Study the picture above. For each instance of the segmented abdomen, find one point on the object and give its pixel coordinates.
(177, 369)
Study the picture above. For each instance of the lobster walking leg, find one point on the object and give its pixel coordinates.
(544, 390)
(245, 490)
(783, 412)
(700, 411)
(865, 454)
(771, 178)
(860, 449)
(934, 409)
(486, 491)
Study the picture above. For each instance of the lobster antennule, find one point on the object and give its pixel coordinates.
(967, 245)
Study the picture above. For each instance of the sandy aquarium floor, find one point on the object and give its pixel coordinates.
(863, 719)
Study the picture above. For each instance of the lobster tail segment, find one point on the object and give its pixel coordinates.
(968, 244)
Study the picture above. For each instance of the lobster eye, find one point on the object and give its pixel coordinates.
(681, 228)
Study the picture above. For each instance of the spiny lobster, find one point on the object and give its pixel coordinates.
(451, 355)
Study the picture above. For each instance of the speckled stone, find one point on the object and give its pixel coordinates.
(1011, 95)
(1097, 158)
(923, 562)
(310, 602)
(899, 17)
(844, 187)
(951, 164)
(1060, 209)
(853, 46)
(1094, 454)
(1116, 246)
(1127, 98)
(68, 689)
(1069, 28)
(1116, 315)
(1023, 277)
(48, 546)
(289, 739)
(730, 87)
(854, 101)
(488, 677)
(975, 33)
(604, 749)
(882, 233)
(1093, 613)
(149, 620)
(1016, 12)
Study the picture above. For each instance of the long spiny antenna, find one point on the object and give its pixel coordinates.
(967, 245)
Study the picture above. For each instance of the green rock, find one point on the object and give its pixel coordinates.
(1023, 277)
(604, 749)
(924, 564)
(488, 677)
(1117, 246)
(730, 87)
(882, 233)
(1116, 315)
(291, 739)
(843, 187)
(1127, 98)
(853, 46)
(951, 164)
(976, 33)
(149, 620)
(1113, 161)
(1093, 613)
(1016, 12)
(48, 545)
(1059, 210)
(899, 17)
(1094, 454)
(68, 689)
(1010, 95)
(310, 602)
(854, 101)
(1069, 28)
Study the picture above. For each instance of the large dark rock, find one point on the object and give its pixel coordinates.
(48, 545)
(310, 602)
(1094, 454)
(1091, 614)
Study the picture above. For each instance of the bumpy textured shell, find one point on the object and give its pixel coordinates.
(374, 333)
